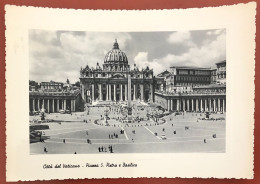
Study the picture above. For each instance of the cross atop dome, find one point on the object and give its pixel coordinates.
(115, 46)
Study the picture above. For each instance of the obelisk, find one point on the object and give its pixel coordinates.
(129, 104)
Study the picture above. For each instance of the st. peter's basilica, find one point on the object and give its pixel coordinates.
(109, 83)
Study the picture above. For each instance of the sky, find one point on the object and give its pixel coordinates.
(58, 55)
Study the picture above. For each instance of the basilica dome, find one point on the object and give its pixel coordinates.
(116, 55)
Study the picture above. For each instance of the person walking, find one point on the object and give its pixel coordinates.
(205, 141)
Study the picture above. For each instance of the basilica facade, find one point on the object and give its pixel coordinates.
(110, 81)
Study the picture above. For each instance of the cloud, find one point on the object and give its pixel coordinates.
(206, 55)
(215, 32)
(141, 61)
(56, 55)
(180, 37)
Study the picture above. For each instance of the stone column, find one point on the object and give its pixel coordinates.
(106, 92)
(210, 105)
(224, 105)
(121, 92)
(171, 104)
(168, 105)
(192, 105)
(183, 102)
(125, 92)
(58, 105)
(43, 105)
(53, 110)
(201, 105)
(38, 104)
(178, 105)
(74, 105)
(109, 92)
(142, 92)
(114, 92)
(134, 93)
(188, 105)
(65, 104)
(219, 108)
(100, 92)
(83, 92)
(71, 105)
(48, 105)
(93, 93)
(197, 105)
(33, 104)
(206, 106)
(214, 105)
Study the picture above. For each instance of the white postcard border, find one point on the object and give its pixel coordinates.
(237, 162)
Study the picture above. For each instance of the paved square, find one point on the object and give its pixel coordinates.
(78, 133)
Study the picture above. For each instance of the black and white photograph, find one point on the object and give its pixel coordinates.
(130, 94)
(127, 92)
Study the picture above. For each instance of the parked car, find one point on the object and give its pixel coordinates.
(36, 112)
(62, 111)
(163, 137)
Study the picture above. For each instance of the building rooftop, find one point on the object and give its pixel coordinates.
(162, 74)
(210, 86)
(53, 82)
(221, 62)
(190, 67)
(116, 55)
(54, 93)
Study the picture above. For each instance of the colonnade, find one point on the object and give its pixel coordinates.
(52, 104)
(215, 104)
(111, 92)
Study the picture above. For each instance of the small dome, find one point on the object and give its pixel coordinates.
(115, 55)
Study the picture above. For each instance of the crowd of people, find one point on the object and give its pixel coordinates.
(104, 149)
